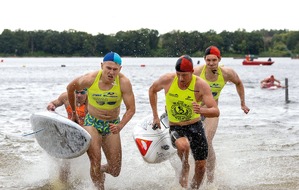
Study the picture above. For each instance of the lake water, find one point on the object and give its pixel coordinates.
(259, 150)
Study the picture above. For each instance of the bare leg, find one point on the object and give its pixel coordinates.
(211, 164)
(200, 168)
(211, 125)
(64, 171)
(98, 178)
(94, 154)
(112, 150)
(183, 148)
(184, 173)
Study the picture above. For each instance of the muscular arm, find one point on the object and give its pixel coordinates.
(232, 76)
(58, 102)
(71, 87)
(129, 100)
(162, 83)
(210, 109)
(78, 83)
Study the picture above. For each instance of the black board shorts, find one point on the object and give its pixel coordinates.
(196, 136)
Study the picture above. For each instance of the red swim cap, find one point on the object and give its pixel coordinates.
(213, 50)
(184, 64)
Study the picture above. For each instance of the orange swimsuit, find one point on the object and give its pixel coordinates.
(80, 111)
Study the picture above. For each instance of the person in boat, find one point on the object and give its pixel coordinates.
(247, 57)
(270, 59)
(217, 76)
(184, 93)
(269, 82)
(81, 108)
(107, 88)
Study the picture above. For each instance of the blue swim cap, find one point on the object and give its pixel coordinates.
(112, 56)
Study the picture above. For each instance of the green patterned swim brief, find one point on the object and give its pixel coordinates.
(101, 126)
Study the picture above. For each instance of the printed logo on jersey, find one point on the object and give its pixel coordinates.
(174, 95)
(105, 98)
(215, 85)
(189, 98)
(181, 111)
(110, 94)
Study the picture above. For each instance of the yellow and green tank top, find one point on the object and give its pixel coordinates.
(216, 86)
(104, 99)
(179, 102)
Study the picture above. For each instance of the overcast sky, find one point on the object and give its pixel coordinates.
(109, 17)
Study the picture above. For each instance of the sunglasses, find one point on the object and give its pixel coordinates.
(81, 92)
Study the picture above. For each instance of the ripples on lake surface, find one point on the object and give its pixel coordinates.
(255, 151)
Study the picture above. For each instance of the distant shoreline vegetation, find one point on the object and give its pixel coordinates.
(148, 43)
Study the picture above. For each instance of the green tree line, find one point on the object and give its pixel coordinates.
(148, 43)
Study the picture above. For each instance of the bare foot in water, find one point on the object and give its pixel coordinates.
(100, 184)
(184, 177)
